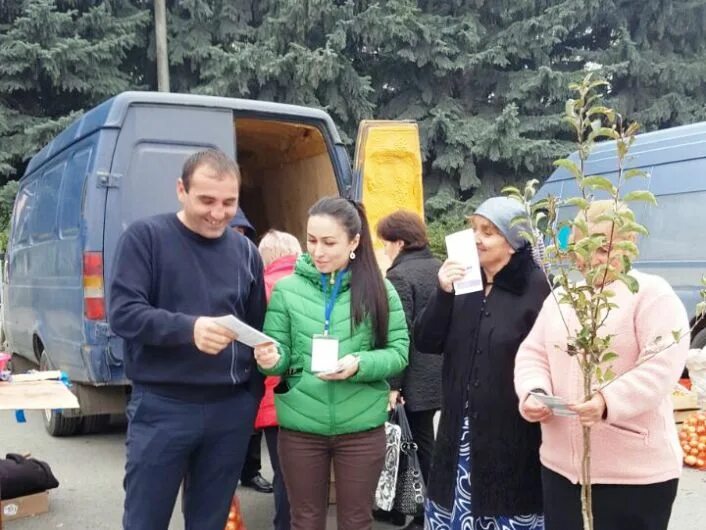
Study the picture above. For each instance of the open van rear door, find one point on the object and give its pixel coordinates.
(388, 172)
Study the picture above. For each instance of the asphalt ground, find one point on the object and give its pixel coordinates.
(90, 470)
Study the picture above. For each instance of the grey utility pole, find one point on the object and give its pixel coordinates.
(160, 33)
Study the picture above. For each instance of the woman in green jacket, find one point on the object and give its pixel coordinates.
(341, 333)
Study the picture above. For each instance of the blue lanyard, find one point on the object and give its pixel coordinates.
(330, 298)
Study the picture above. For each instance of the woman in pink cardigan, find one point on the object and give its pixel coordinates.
(636, 459)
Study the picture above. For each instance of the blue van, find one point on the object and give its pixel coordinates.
(674, 161)
(120, 162)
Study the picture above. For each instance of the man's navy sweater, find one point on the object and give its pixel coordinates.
(165, 277)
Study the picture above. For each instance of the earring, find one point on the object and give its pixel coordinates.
(352, 255)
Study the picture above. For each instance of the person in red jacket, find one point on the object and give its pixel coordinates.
(250, 476)
(279, 251)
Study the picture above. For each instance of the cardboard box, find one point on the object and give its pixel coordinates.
(681, 415)
(26, 506)
(685, 401)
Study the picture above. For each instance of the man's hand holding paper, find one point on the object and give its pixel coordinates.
(243, 333)
(210, 337)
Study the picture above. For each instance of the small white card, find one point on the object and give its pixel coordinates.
(343, 364)
(461, 247)
(324, 354)
(558, 405)
(246, 334)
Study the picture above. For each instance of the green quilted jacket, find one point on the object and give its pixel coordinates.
(309, 404)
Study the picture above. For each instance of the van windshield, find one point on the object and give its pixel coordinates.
(676, 228)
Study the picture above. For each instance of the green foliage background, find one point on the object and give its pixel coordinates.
(486, 80)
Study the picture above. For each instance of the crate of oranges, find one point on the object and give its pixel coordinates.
(692, 436)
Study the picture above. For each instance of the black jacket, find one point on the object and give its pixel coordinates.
(480, 337)
(414, 275)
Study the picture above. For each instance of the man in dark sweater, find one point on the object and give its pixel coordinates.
(195, 391)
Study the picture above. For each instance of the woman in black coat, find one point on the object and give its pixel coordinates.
(485, 469)
(413, 273)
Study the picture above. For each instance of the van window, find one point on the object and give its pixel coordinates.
(71, 196)
(43, 221)
(150, 186)
(681, 176)
(26, 201)
(676, 228)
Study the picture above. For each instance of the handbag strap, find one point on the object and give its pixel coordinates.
(400, 418)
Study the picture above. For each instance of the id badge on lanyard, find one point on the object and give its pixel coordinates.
(324, 348)
(324, 353)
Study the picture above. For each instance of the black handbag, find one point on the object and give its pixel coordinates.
(411, 490)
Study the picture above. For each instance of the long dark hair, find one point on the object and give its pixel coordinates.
(368, 292)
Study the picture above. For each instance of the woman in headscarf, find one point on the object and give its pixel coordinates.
(485, 470)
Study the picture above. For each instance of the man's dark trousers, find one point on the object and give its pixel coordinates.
(169, 440)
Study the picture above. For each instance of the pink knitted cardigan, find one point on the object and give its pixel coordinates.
(637, 443)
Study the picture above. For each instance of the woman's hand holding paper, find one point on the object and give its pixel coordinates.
(266, 355)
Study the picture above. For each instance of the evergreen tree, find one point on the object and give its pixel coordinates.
(56, 59)
(485, 79)
(290, 51)
(655, 56)
(7, 201)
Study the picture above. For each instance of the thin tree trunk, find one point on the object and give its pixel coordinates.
(160, 33)
(586, 493)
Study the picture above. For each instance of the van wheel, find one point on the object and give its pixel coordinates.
(55, 423)
(95, 424)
